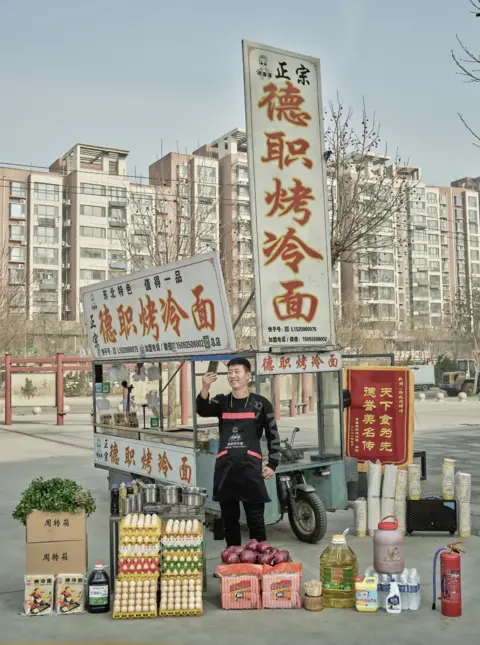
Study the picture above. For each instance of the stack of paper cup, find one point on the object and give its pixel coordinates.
(463, 493)
(401, 514)
(389, 481)
(373, 514)
(388, 507)
(414, 486)
(401, 487)
(360, 510)
(373, 499)
(448, 479)
(374, 478)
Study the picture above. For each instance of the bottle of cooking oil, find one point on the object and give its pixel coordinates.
(338, 573)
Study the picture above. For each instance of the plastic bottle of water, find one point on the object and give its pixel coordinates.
(413, 590)
(384, 580)
(403, 588)
(369, 571)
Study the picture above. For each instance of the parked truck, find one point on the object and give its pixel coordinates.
(465, 379)
(423, 377)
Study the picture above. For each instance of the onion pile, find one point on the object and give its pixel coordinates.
(255, 552)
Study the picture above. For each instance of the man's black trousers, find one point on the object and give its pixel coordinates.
(254, 512)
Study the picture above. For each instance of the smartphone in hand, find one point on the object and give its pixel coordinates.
(213, 367)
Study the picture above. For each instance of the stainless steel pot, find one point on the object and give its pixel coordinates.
(171, 495)
(127, 503)
(137, 505)
(151, 494)
(194, 496)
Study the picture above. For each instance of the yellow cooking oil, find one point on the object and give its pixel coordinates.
(338, 573)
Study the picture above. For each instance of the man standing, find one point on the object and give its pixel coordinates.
(239, 472)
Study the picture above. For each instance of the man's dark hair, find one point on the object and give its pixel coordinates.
(240, 361)
(124, 384)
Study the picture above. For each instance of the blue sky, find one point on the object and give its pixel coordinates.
(152, 75)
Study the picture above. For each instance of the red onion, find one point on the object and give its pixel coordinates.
(281, 556)
(225, 553)
(273, 550)
(232, 558)
(263, 547)
(252, 545)
(264, 558)
(238, 549)
(248, 556)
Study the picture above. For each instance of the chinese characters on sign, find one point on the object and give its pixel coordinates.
(379, 422)
(174, 309)
(289, 215)
(171, 463)
(300, 363)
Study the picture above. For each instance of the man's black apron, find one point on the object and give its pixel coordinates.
(238, 469)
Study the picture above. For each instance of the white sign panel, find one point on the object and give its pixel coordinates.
(290, 224)
(177, 309)
(157, 460)
(299, 363)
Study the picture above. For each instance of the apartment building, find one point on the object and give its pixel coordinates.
(85, 220)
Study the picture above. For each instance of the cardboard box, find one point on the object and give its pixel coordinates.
(56, 527)
(56, 557)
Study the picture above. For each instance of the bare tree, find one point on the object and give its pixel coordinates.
(15, 284)
(365, 188)
(468, 64)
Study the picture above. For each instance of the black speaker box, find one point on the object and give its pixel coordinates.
(434, 515)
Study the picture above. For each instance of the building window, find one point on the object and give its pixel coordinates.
(243, 211)
(92, 211)
(44, 255)
(47, 192)
(432, 211)
(17, 233)
(242, 173)
(474, 241)
(473, 229)
(420, 236)
(92, 274)
(472, 202)
(162, 206)
(18, 211)
(419, 249)
(45, 235)
(432, 225)
(116, 273)
(433, 239)
(93, 231)
(16, 276)
(46, 215)
(475, 255)
(243, 191)
(45, 279)
(115, 192)
(475, 269)
(436, 307)
(93, 189)
(419, 220)
(206, 191)
(116, 234)
(18, 189)
(92, 254)
(432, 198)
(17, 254)
(434, 266)
(206, 174)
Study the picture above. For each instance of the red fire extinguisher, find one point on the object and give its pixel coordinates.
(450, 579)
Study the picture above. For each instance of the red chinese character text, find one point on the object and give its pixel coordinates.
(185, 471)
(106, 328)
(302, 362)
(267, 364)
(163, 464)
(148, 318)
(129, 456)
(285, 363)
(290, 248)
(147, 460)
(333, 361)
(203, 311)
(291, 200)
(114, 454)
(286, 103)
(286, 152)
(293, 305)
(125, 318)
(172, 313)
(316, 361)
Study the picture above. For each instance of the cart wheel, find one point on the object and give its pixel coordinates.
(311, 524)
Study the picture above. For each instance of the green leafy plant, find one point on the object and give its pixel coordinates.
(55, 495)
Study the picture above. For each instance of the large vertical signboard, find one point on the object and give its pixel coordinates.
(379, 421)
(290, 224)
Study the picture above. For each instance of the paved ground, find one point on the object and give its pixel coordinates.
(449, 429)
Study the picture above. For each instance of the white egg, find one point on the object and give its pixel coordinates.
(124, 609)
(178, 583)
(131, 608)
(125, 596)
(177, 606)
(191, 606)
(181, 527)
(198, 605)
(171, 582)
(170, 605)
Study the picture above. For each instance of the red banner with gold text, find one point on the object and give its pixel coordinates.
(379, 423)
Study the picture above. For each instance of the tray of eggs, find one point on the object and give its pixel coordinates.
(181, 596)
(182, 563)
(140, 525)
(135, 598)
(138, 566)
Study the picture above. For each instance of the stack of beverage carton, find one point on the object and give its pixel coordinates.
(56, 543)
